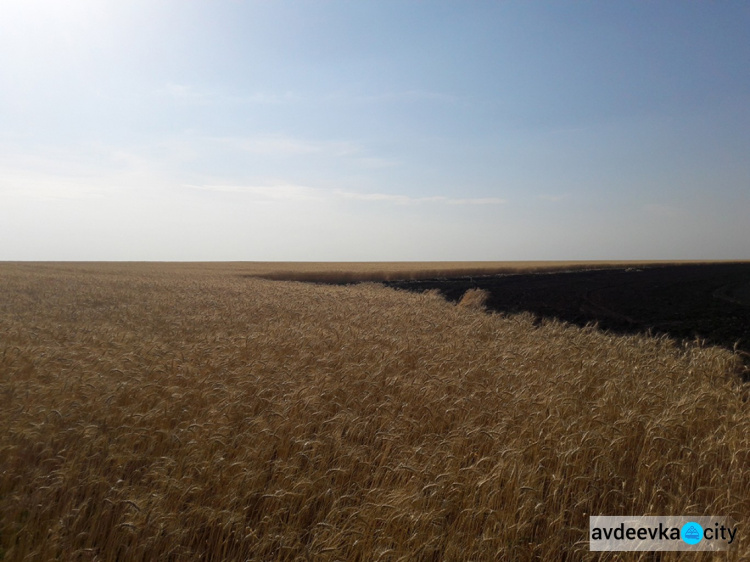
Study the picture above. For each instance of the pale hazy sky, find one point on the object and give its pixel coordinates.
(374, 130)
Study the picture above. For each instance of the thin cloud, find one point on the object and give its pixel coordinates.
(407, 200)
(284, 192)
(287, 146)
(42, 187)
(62, 175)
(190, 94)
(293, 192)
(552, 198)
(185, 93)
(283, 146)
(373, 162)
(408, 96)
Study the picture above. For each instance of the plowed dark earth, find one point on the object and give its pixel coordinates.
(710, 302)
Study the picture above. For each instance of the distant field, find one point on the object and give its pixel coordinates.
(193, 412)
(335, 272)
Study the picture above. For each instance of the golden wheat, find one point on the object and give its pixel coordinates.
(183, 412)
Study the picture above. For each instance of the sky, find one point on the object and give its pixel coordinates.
(214, 130)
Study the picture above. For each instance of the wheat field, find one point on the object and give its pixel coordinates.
(195, 412)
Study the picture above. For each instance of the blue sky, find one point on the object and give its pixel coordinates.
(233, 130)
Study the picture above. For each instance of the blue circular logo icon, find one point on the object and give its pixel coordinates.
(692, 533)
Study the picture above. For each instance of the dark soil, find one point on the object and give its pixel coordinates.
(710, 302)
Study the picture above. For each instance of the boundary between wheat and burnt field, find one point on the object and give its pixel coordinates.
(687, 301)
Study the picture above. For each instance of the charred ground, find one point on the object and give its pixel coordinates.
(706, 301)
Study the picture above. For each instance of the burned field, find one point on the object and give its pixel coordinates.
(706, 301)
